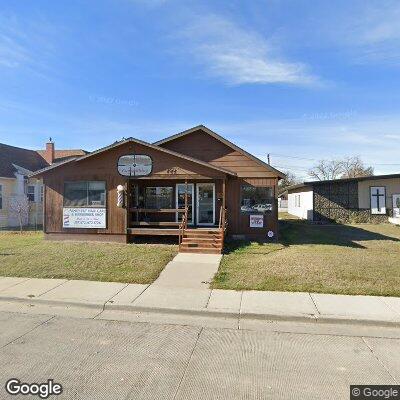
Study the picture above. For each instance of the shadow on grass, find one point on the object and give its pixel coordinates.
(298, 232)
(302, 232)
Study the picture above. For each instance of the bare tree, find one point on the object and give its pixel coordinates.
(353, 167)
(349, 167)
(19, 207)
(326, 169)
(289, 180)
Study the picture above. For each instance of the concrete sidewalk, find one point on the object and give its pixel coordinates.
(163, 296)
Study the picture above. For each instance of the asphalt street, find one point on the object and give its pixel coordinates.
(111, 359)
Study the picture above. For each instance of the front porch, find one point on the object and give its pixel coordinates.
(192, 210)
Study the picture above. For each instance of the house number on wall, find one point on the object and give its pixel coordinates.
(172, 171)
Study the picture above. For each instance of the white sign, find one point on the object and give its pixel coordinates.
(396, 205)
(135, 165)
(74, 217)
(270, 234)
(256, 221)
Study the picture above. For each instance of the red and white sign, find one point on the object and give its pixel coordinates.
(256, 221)
(76, 217)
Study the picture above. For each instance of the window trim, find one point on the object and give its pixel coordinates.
(87, 194)
(41, 193)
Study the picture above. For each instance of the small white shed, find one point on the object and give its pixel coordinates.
(300, 201)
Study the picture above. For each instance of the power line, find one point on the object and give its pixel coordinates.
(314, 159)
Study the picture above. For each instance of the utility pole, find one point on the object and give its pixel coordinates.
(269, 159)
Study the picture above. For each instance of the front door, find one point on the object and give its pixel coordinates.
(180, 200)
(205, 203)
(396, 205)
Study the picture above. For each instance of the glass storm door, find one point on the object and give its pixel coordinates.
(180, 200)
(205, 203)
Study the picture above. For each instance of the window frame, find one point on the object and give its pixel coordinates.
(33, 194)
(155, 187)
(272, 199)
(87, 194)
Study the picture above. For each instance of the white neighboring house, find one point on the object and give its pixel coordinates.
(301, 201)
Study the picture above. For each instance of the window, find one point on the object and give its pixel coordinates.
(85, 194)
(378, 199)
(1, 197)
(159, 197)
(297, 200)
(41, 193)
(256, 199)
(30, 192)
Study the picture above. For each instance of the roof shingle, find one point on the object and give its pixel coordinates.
(28, 159)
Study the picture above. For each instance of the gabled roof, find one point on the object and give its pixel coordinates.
(223, 140)
(27, 159)
(141, 142)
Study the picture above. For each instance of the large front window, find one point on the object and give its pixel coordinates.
(85, 194)
(159, 197)
(256, 199)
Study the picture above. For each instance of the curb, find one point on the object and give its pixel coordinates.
(316, 319)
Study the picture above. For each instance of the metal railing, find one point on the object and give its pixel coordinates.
(183, 225)
(223, 222)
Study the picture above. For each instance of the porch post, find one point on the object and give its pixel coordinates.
(223, 193)
(186, 194)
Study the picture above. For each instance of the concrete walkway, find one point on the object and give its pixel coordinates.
(193, 297)
(183, 284)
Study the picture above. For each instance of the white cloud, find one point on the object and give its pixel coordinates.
(12, 53)
(374, 33)
(240, 56)
(25, 42)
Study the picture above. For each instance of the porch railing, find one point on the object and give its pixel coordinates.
(156, 211)
(223, 222)
(183, 226)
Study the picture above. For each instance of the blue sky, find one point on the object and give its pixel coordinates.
(298, 79)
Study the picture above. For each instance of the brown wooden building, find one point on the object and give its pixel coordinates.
(195, 185)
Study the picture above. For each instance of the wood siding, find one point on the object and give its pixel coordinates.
(204, 147)
(238, 221)
(103, 167)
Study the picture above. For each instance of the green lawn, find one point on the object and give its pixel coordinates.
(29, 255)
(348, 259)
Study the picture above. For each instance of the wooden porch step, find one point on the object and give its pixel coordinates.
(202, 233)
(195, 244)
(202, 230)
(143, 223)
(201, 239)
(203, 250)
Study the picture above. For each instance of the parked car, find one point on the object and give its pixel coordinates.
(263, 207)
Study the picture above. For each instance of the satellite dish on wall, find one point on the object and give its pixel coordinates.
(135, 165)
